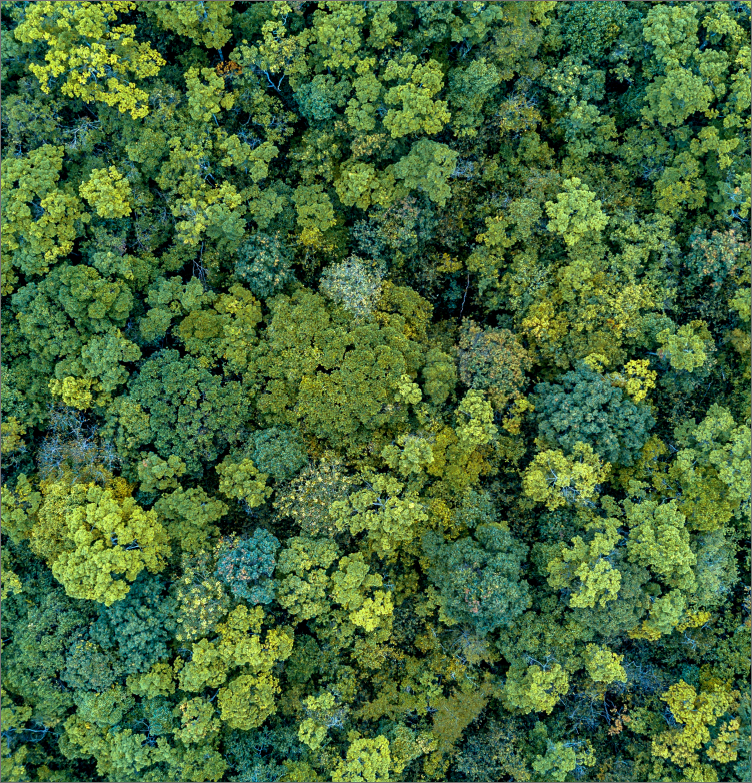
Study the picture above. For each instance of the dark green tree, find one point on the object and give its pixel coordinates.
(246, 566)
(278, 451)
(584, 407)
(180, 408)
(479, 578)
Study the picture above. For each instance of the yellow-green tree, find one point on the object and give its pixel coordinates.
(112, 538)
(97, 57)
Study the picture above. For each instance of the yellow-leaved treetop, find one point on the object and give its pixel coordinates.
(108, 192)
(576, 214)
(556, 479)
(584, 567)
(97, 58)
(604, 666)
(535, 689)
(695, 715)
(248, 699)
(113, 537)
(366, 760)
(35, 238)
(205, 23)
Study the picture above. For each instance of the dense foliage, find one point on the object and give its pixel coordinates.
(375, 391)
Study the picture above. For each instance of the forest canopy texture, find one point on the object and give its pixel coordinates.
(375, 391)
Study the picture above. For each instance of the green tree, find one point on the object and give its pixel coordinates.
(584, 407)
(303, 563)
(108, 192)
(479, 579)
(263, 264)
(97, 58)
(201, 602)
(470, 89)
(40, 219)
(111, 537)
(45, 632)
(339, 383)
(182, 409)
(189, 517)
(494, 361)
(576, 214)
(688, 348)
(243, 481)
(659, 539)
(604, 666)
(696, 714)
(137, 628)
(561, 758)
(366, 759)
(439, 376)
(247, 699)
(586, 568)
(204, 23)
(277, 451)
(711, 469)
(386, 510)
(427, 168)
(416, 86)
(538, 689)
(247, 565)
(159, 474)
(555, 479)
(309, 498)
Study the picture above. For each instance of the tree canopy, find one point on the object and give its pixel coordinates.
(375, 391)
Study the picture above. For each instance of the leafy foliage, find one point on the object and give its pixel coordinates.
(375, 391)
(246, 565)
(264, 264)
(173, 404)
(584, 407)
(277, 451)
(494, 361)
(479, 579)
